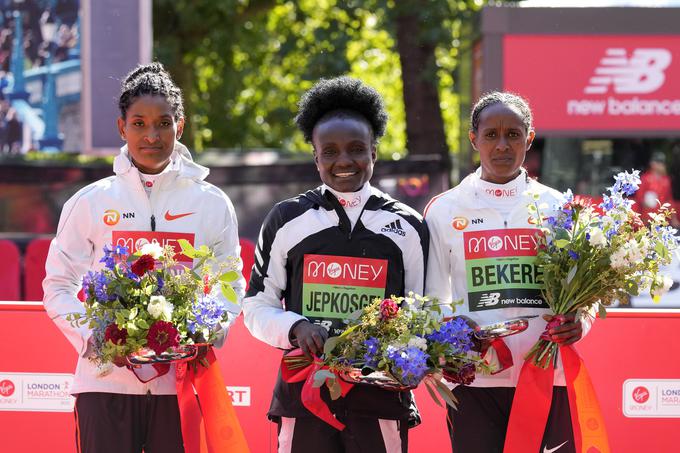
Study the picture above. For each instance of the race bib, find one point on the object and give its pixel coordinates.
(135, 240)
(333, 287)
(501, 269)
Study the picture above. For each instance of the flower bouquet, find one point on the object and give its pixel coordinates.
(592, 255)
(149, 309)
(396, 344)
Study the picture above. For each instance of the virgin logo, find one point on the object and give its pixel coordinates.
(6, 388)
(640, 394)
(334, 270)
(350, 203)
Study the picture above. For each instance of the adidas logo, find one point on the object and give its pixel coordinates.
(394, 227)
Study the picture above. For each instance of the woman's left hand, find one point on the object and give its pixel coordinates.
(568, 332)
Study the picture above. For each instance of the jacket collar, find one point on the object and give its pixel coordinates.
(181, 163)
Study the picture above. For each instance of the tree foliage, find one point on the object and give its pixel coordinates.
(243, 64)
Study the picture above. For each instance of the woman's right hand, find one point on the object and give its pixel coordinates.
(310, 338)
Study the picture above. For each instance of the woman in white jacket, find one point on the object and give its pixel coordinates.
(482, 250)
(157, 194)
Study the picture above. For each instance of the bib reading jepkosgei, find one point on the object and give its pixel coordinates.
(501, 269)
(333, 287)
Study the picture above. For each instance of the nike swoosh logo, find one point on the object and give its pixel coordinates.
(550, 450)
(170, 217)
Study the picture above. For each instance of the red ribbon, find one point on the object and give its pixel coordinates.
(497, 355)
(531, 407)
(310, 395)
(209, 421)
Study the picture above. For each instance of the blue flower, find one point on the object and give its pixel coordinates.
(409, 364)
(456, 333)
(626, 183)
(207, 311)
(371, 357)
(96, 284)
(573, 255)
(117, 253)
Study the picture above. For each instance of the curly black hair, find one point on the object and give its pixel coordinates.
(344, 95)
(150, 79)
(501, 97)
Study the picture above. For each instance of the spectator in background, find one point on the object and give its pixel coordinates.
(655, 187)
(13, 133)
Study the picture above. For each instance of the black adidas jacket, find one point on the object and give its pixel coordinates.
(310, 265)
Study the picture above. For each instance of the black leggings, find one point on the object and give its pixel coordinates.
(481, 420)
(114, 423)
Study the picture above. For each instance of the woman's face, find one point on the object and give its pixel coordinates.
(502, 142)
(344, 152)
(150, 131)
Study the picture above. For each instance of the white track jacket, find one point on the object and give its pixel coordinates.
(481, 251)
(118, 209)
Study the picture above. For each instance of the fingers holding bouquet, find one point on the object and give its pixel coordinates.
(310, 338)
(563, 329)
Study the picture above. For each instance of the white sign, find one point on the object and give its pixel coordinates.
(240, 396)
(41, 392)
(658, 398)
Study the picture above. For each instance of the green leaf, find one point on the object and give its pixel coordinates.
(330, 344)
(432, 393)
(321, 376)
(572, 273)
(229, 293)
(445, 393)
(229, 277)
(349, 330)
(602, 311)
(187, 248)
(142, 324)
(561, 243)
(334, 388)
(133, 313)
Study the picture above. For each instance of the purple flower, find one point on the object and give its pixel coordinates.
(111, 256)
(371, 357)
(456, 333)
(207, 311)
(409, 364)
(573, 255)
(96, 284)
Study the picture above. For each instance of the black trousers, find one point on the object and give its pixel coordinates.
(481, 421)
(116, 423)
(361, 435)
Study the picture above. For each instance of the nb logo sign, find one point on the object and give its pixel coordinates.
(489, 299)
(642, 73)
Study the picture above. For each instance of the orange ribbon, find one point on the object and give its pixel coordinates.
(211, 426)
(310, 395)
(531, 407)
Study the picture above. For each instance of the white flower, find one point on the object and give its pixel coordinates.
(418, 342)
(597, 238)
(152, 248)
(160, 308)
(663, 283)
(618, 258)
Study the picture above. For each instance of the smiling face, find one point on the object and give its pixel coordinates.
(344, 152)
(150, 131)
(502, 141)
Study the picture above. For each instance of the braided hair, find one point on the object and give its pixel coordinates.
(341, 97)
(501, 97)
(150, 80)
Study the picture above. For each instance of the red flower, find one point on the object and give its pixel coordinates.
(115, 335)
(143, 264)
(466, 374)
(635, 221)
(388, 309)
(162, 335)
(206, 284)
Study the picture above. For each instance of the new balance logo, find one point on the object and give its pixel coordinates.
(489, 299)
(394, 227)
(642, 73)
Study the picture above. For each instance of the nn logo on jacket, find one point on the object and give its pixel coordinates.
(642, 73)
(394, 227)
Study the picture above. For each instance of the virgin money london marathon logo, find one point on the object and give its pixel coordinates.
(333, 287)
(501, 269)
(619, 75)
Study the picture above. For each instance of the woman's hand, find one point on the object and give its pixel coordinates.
(569, 332)
(310, 338)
